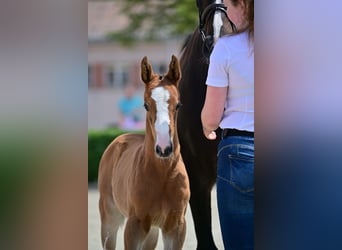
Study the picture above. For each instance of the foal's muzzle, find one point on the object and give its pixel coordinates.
(164, 153)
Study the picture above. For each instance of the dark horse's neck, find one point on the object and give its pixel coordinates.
(194, 67)
(192, 88)
(194, 73)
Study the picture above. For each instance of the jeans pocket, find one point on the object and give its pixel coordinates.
(242, 172)
(236, 163)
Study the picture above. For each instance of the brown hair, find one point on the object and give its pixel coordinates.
(249, 15)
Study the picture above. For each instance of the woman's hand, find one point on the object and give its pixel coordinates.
(209, 134)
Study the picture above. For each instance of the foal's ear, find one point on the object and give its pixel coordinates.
(174, 74)
(146, 70)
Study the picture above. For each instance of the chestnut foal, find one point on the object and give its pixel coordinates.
(143, 177)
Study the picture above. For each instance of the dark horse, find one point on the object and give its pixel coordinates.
(199, 154)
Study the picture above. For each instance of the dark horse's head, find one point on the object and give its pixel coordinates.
(213, 23)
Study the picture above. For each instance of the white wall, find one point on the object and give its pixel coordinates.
(111, 52)
(102, 102)
(102, 107)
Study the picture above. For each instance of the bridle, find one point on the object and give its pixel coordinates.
(208, 40)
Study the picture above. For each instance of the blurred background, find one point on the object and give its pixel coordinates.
(120, 34)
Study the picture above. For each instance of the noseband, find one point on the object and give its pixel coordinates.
(208, 40)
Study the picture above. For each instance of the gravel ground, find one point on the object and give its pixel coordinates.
(94, 240)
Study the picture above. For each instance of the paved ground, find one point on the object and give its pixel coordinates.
(94, 241)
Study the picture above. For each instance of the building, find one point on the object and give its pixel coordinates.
(112, 65)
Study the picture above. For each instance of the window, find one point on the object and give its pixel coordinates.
(110, 72)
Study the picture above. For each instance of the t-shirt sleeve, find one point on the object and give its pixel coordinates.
(218, 66)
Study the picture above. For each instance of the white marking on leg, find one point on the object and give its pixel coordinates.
(168, 242)
(105, 241)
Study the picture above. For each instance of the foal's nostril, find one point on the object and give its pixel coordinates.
(168, 151)
(159, 150)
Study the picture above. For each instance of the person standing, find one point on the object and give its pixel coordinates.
(229, 104)
(131, 109)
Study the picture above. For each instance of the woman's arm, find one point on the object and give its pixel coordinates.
(213, 110)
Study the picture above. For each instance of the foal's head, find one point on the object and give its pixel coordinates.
(161, 103)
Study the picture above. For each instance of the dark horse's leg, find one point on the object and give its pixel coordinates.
(200, 203)
(201, 184)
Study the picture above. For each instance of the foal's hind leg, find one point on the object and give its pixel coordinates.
(111, 219)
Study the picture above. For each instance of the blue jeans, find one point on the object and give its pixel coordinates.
(235, 191)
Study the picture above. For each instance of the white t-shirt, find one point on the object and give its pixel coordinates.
(232, 65)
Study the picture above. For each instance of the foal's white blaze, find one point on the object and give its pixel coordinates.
(161, 96)
(217, 23)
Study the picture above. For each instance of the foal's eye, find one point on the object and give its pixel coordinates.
(178, 105)
(146, 106)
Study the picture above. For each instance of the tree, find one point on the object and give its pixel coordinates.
(156, 19)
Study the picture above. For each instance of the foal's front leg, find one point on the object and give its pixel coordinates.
(135, 233)
(174, 231)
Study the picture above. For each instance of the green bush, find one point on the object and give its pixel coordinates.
(98, 140)
(97, 143)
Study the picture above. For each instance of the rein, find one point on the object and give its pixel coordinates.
(208, 40)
